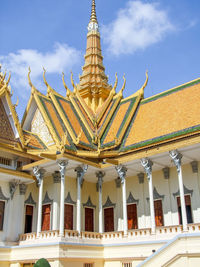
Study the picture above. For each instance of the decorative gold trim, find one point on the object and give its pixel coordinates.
(60, 112)
(17, 173)
(120, 94)
(141, 90)
(68, 92)
(72, 82)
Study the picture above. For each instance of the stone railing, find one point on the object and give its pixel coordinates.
(72, 236)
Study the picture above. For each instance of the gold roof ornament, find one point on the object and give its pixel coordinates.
(49, 88)
(93, 17)
(120, 94)
(72, 82)
(68, 93)
(30, 82)
(93, 86)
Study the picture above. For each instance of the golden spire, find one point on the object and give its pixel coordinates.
(93, 17)
(93, 86)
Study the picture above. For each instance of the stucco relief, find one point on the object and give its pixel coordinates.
(39, 127)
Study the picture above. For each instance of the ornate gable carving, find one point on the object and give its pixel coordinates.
(39, 127)
(6, 131)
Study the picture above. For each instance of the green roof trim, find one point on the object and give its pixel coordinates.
(132, 102)
(90, 145)
(42, 100)
(159, 139)
(170, 91)
(38, 139)
(113, 102)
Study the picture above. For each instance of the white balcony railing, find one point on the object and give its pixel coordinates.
(71, 236)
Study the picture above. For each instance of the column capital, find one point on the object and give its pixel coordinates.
(194, 165)
(140, 177)
(176, 157)
(56, 177)
(81, 170)
(166, 172)
(147, 165)
(62, 165)
(22, 189)
(100, 176)
(39, 174)
(121, 170)
(13, 186)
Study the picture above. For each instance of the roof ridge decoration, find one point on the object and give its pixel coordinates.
(68, 92)
(49, 88)
(5, 90)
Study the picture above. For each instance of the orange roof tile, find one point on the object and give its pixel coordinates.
(166, 114)
(33, 141)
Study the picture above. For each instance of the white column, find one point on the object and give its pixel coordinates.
(121, 170)
(12, 212)
(22, 192)
(80, 174)
(39, 173)
(100, 176)
(147, 165)
(176, 157)
(62, 166)
(142, 219)
(56, 210)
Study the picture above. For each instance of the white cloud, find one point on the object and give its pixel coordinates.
(137, 26)
(61, 58)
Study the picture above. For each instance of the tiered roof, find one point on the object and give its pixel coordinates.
(94, 122)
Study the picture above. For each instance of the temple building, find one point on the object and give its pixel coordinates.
(93, 179)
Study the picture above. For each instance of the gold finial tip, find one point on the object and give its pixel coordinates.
(93, 17)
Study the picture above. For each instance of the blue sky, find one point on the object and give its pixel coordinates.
(161, 36)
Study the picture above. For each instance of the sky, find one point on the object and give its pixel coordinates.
(160, 36)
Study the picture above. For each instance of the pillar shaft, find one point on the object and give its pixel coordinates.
(176, 157)
(80, 174)
(62, 166)
(147, 165)
(121, 170)
(125, 223)
(78, 208)
(151, 201)
(100, 176)
(39, 173)
(39, 221)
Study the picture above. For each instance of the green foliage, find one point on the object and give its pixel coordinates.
(42, 263)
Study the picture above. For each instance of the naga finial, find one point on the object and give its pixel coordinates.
(141, 90)
(15, 105)
(66, 87)
(44, 78)
(123, 87)
(113, 91)
(29, 79)
(7, 82)
(72, 82)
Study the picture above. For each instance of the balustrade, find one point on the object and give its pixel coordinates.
(135, 235)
